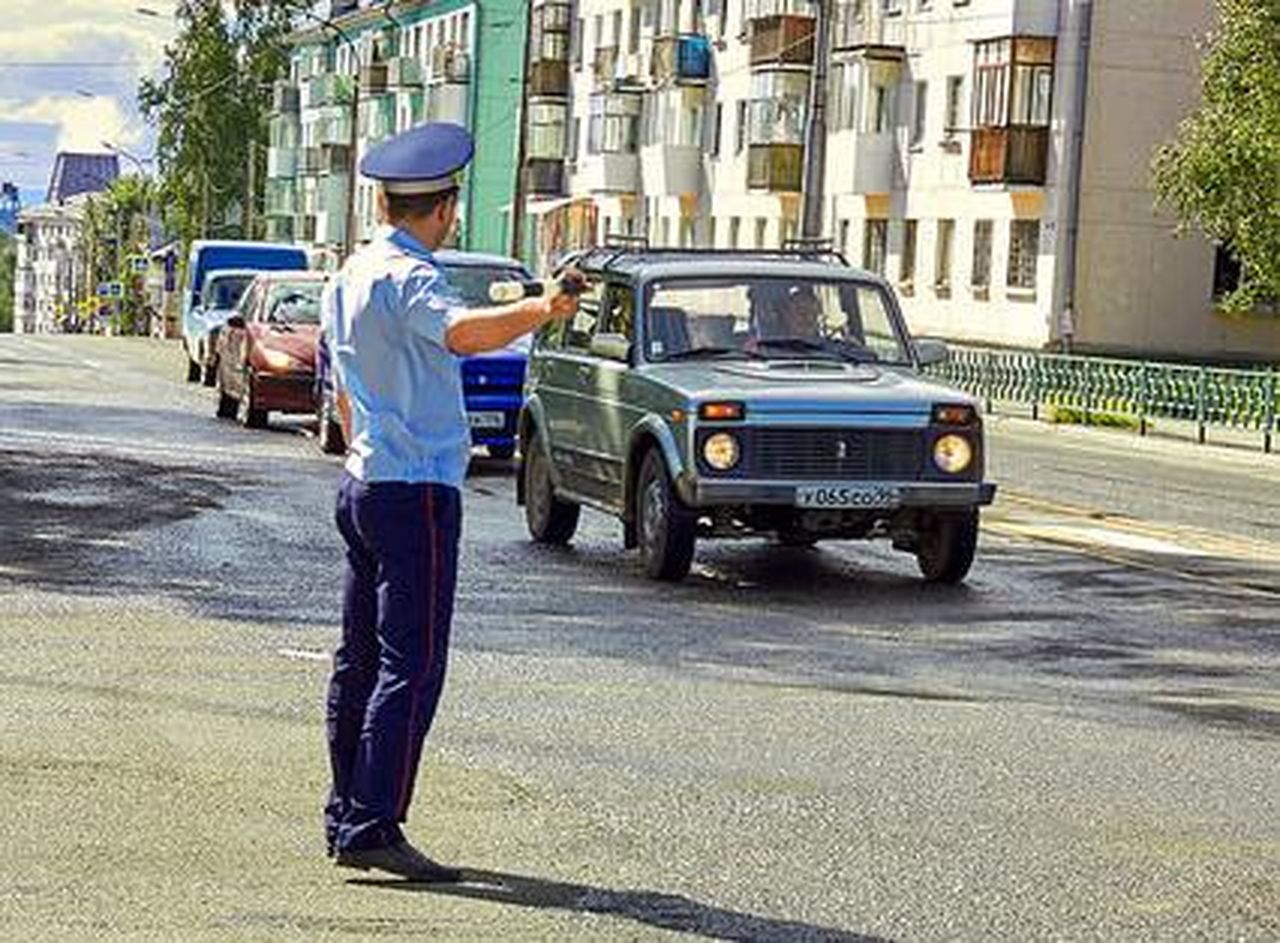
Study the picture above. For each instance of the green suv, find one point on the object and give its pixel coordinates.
(714, 394)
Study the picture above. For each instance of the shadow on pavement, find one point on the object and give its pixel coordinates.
(673, 912)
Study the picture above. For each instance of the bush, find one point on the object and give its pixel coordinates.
(1075, 416)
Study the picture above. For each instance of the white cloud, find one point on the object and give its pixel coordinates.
(82, 123)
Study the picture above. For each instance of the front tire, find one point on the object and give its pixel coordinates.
(665, 528)
(946, 545)
(549, 519)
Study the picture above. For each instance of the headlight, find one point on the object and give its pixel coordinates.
(952, 453)
(721, 451)
(278, 360)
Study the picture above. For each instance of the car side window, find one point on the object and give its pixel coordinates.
(619, 311)
(577, 333)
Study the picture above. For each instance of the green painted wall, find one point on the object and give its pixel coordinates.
(495, 110)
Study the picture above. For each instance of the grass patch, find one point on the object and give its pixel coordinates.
(1075, 416)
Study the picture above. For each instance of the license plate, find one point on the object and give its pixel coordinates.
(847, 496)
(487, 420)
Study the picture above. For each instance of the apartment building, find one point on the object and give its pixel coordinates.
(368, 71)
(989, 157)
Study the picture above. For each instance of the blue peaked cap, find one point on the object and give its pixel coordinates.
(425, 159)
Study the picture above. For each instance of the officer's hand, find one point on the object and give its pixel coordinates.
(562, 307)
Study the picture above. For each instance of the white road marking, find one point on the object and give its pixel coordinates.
(303, 654)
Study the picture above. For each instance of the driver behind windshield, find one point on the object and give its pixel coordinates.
(785, 312)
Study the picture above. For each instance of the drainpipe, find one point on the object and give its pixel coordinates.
(1063, 328)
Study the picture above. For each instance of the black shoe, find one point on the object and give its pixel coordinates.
(401, 859)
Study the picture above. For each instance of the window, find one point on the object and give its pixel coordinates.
(575, 139)
(711, 232)
(907, 267)
(633, 37)
(1024, 253)
(881, 116)
(844, 96)
(875, 242)
(955, 97)
(664, 228)
(777, 109)
(616, 31)
(577, 333)
(613, 126)
(919, 115)
(547, 131)
(844, 237)
(762, 226)
(598, 24)
(575, 43)
(735, 231)
(788, 231)
(686, 233)
(980, 278)
(942, 267)
(740, 132)
(619, 312)
(716, 131)
(1013, 82)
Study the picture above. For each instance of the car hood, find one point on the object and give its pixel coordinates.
(300, 343)
(789, 387)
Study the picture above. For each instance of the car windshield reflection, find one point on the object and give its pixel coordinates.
(772, 318)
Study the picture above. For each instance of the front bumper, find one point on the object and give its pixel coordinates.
(703, 492)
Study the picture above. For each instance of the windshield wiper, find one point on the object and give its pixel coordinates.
(709, 351)
(833, 347)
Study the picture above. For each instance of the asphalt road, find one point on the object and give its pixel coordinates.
(1082, 743)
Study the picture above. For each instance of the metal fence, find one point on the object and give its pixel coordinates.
(1244, 400)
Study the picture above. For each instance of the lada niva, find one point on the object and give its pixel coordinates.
(713, 394)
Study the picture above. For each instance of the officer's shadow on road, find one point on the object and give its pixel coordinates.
(652, 908)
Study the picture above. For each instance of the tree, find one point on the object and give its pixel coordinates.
(115, 231)
(1221, 172)
(210, 108)
(8, 264)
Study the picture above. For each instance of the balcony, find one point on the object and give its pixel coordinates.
(1013, 155)
(310, 162)
(447, 103)
(378, 118)
(549, 78)
(544, 177)
(610, 173)
(450, 64)
(782, 40)
(328, 90)
(335, 159)
(404, 72)
(280, 198)
(778, 168)
(282, 162)
(680, 59)
(373, 79)
(285, 99)
(857, 27)
(333, 127)
(605, 65)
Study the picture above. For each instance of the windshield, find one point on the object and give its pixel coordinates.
(294, 302)
(772, 318)
(223, 292)
(470, 285)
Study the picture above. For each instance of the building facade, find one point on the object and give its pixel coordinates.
(989, 157)
(50, 276)
(371, 71)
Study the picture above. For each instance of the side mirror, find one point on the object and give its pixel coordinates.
(930, 352)
(235, 321)
(611, 347)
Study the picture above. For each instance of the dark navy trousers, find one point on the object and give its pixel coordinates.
(402, 565)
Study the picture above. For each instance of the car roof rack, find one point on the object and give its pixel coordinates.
(618, 248)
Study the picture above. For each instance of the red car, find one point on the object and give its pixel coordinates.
(267, 350)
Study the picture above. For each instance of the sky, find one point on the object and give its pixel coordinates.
(69, 72)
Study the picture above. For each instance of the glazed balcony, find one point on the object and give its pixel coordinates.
(549, 78)
(1012, 155)
(778, 168)
(782, 40)
(604, 66)
(680, 60)
(544, 177)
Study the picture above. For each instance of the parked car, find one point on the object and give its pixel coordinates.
(492, 384)
(222, 291)
(713, 394)
(234, 258)
(266, 351)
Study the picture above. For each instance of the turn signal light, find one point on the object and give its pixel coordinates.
(953, 415)
(721, 412)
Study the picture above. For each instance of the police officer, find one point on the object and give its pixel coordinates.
(395, 334)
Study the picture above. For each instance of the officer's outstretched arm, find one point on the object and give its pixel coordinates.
(481, 330)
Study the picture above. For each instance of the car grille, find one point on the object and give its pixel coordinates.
(835, 454)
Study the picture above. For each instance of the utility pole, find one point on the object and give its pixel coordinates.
(522, 142)
(815, 145)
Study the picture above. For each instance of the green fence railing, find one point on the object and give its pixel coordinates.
(1244, 400)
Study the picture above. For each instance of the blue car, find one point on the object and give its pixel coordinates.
(493, 384)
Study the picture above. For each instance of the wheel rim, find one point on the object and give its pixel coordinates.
(653, 515)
